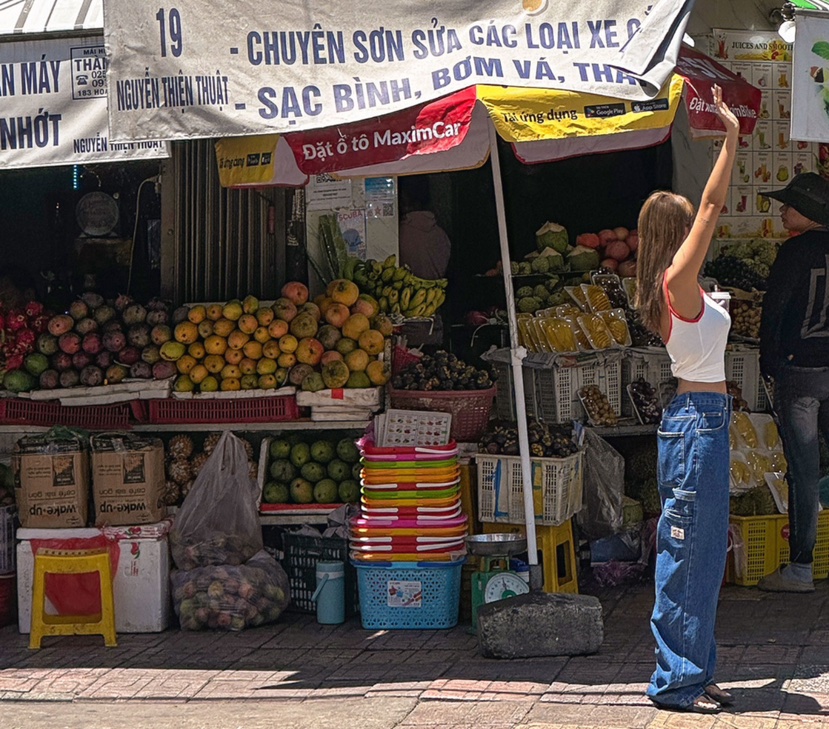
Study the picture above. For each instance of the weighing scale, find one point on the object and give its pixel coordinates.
(494, 580)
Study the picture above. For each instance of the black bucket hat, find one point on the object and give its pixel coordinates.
(808, 193)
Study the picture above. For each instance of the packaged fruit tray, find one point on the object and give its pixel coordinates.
(212, 410)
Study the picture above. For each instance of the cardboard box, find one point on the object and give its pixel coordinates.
(51, 483)
(127, 479)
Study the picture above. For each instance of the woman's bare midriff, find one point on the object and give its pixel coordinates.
(690, 386)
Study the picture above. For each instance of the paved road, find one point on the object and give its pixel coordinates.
(298, 675)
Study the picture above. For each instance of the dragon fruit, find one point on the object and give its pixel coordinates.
(33, 309)
(16, 320)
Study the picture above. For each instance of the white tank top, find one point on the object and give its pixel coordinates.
(697, 346)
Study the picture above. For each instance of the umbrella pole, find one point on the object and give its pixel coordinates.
(517, 354)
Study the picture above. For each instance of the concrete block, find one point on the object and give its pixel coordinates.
(540, 624)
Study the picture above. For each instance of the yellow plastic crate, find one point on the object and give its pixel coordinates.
(763, 546)
(558, 553)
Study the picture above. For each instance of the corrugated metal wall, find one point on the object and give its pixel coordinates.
(220, 243)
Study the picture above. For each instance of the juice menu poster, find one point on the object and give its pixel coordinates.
(768, 159)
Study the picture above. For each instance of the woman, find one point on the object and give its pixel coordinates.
(693, 449)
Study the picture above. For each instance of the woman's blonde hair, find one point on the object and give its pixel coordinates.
(664, 221)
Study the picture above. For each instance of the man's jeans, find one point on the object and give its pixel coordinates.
(801, 400)
(691, 544)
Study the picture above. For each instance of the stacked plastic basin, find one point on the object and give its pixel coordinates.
(408, 544)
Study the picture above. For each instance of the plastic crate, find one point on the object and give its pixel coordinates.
(242, 410)
(742, 367)
(556, 388)
(7, 543)
(504, 407)
(409, 595)
(557, 488)
(20, 411)
(8, 601)
(470, 409)
(649, 363)
(302, 553)
(761, 545)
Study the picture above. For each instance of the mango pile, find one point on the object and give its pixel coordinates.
(333, 341)
(397, 290)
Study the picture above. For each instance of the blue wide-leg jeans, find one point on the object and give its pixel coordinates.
(691, 544)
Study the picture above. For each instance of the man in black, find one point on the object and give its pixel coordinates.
(794, 351)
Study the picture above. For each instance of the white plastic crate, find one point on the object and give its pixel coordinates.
(504, 406)
(649, 363)
(557, 388)
(557, 488)
(742, 367)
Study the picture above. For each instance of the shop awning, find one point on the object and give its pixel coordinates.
(30, 17)
(451, 133)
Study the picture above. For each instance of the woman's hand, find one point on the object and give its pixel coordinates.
(732, 125)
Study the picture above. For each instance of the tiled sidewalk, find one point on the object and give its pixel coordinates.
(774, 653)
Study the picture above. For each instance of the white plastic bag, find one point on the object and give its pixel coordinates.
(218, 524)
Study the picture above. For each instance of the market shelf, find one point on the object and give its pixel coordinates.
(252, 427)
(297, 516)
(620, 431)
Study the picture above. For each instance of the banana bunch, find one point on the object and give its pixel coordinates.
(397, 289)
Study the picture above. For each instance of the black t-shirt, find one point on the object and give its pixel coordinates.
(795, 325)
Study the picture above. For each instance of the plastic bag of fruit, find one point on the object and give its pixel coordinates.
(229, 597)
(604, 487)
(218, 523)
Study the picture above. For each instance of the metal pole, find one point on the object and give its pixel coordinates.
(517, 354)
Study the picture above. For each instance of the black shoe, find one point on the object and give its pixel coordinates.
(721, 696)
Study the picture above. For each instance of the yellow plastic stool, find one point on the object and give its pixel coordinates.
(72, 562)
(558, 553)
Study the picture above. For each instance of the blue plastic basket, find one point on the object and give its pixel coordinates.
(409, 595)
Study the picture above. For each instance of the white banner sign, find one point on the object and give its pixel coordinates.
(197, 69)
(810, 78)
(53, 106)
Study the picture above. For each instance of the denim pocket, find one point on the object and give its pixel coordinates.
(712, 421)
(670, 466)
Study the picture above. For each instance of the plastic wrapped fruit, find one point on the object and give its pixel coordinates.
(559, 335)
(617, 325)
(596, 331)
(771, 436)
(746, 429)
(596, 297)
(740, 472)
(598, 407)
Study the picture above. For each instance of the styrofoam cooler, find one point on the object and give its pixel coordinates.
(141, 586)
